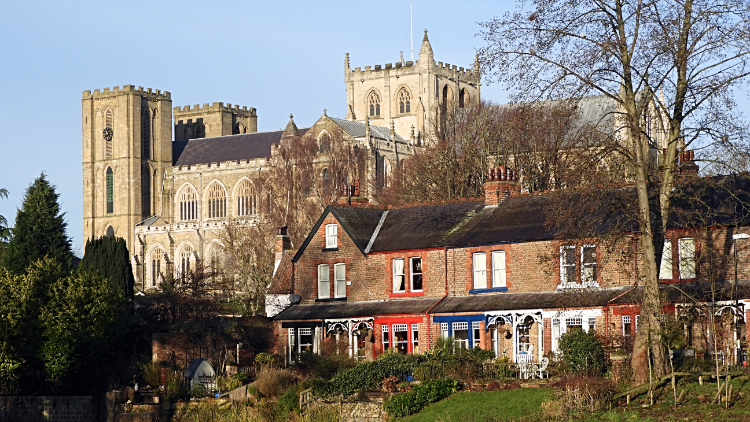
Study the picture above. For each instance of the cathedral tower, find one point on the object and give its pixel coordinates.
(127, 145)
(409, 94)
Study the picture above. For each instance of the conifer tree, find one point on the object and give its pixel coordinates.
(108, 255)
(4, 230)
(39, 229)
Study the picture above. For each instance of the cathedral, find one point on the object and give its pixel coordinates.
(170, 198)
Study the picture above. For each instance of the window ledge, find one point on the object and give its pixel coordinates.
(564, 286)
(490, 290)
(331, 299)
(330, 249)
(406, 294)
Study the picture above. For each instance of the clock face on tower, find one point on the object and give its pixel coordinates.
(107, 134)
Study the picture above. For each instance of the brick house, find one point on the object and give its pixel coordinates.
(495, 273)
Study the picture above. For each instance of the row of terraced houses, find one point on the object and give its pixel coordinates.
(496, 273)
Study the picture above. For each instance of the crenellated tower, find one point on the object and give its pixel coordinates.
(408, 94)
(127, 147)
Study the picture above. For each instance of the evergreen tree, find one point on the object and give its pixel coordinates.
(108, 255)
(39, 230)
(4, 230)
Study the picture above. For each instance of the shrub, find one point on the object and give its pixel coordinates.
(583, 353)
(289, 401)
(413, 401)
(369, 375)
(267, 359)
(271, 382)
(583, 394)
(323, 366)
(151, 373)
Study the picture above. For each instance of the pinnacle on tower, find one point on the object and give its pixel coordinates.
(426, 50)
(291, 128)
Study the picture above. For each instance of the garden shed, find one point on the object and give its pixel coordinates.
(200, 372)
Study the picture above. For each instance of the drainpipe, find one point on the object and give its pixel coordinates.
(426, 314)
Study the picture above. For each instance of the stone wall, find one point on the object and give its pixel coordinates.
(47, 408)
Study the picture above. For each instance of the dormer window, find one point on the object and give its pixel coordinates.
(331, 238)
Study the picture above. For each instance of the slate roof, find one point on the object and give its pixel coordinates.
(281, 283)
(425, 226)
(330, 310)
(357, 130)
(358, 222)
(570, 298)
(246, 146)
(151, 221)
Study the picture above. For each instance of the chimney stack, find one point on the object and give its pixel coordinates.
(350, 195)
(686, 165)
(500, 184)
(282, 243)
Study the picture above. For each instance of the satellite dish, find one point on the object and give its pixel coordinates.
(295, 298)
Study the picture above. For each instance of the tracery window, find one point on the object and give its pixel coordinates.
(155, 277)
(217, 201)
(110, 191)
(186, 260)
(404, 101)
(374, 101)
(188, 204)
(215, 261)
(325, 143)
(246, 202)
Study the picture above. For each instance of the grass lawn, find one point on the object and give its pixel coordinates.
(506, 405)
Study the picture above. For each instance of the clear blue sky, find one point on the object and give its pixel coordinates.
(281, 57)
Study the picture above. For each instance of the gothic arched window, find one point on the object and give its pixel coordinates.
(110, 191)
(188, 204)
(463, 98)
(217, 201)
(146, 191)
(110, 232)
(186, 260)
(155, 275)
(404, 101)
(246, 204)
(326, 180)
(200, 130)
(215, 261)
(374, 101)
(108, 134)
(146, 134)
(325, 143)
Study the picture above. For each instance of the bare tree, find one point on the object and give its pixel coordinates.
(304, 176)
(670, 66)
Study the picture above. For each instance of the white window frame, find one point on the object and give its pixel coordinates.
(626, 321)
(563, 266)
(401, 328)
(665, 269)
(479, 270)
(386, 339)
(444, 330)
(412, 273)
(293, 350)
(686, 247)
(331, 236)
(461, 326)
(415, 338)
(498, 269)
(324, 281)
(304, 331)
(339, 286)
(397, 274)
(585, 265)
(475, 334)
